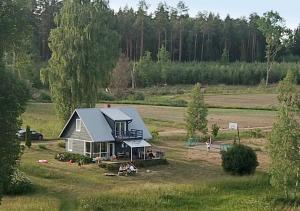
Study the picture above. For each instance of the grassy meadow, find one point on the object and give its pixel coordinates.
(193, 180)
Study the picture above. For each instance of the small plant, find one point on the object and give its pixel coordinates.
(28, 137)
(42, 146)
(66, 156)
(138, 96)
(155, 135)
(239, 160)
(62, 144)
(215, 130)
(18, 184)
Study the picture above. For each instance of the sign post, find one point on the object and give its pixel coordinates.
(234, 126)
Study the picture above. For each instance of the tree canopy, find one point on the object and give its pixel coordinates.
(84, 50)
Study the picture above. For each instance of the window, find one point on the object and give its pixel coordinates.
(78, 125)
(120, 128)
(103, 149)
(70, 145)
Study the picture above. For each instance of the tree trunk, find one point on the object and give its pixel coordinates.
(180, 43)
(159, 41)
(165, 38)
(202, 47)
(171, 46)
(142, 39)
(195, 47)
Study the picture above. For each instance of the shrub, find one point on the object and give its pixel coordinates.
(105, 96)
(239, 160)
(155, 135)
(178, 103)
(42, 146)
(62, 144)
(256, 133)
(138, 96)
(66, 156)
(44, 98)
(215, 130)
(18, 184)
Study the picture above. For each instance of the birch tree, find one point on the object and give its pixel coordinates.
(84, 50)
(273, 28)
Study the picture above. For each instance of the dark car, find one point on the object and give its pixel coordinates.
(34, 135)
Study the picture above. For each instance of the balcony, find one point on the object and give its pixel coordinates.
(128, 135)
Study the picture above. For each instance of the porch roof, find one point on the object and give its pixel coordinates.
(137, 143)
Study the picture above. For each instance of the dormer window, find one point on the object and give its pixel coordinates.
(78, 125)
(120, 128)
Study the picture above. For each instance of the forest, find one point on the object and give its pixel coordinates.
(194, 44)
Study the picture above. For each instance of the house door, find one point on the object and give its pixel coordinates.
(111, 149)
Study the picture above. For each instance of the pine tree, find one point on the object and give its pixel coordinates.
(196, 113)
(284, 140)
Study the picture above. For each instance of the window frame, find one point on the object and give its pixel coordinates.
(70, 145)
(78, 125)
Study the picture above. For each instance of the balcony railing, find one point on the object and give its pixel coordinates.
(128, 135)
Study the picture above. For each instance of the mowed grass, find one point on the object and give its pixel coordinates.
(193, 180)
(41, 117)
(187, 183)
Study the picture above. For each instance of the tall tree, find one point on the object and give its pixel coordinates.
(161, 23)
(163, 60)
(84, 50)
(140, 22)
(273, 28)
(284, 140)
(196, 113)
(183, 14)
(14, 95)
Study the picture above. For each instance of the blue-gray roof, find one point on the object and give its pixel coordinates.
(115, 114)
(97, 126)
(137, 121)
(95, 123)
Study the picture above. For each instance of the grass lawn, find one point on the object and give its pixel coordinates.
(193, 180)
(41, 117)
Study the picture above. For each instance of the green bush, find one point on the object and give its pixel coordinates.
(105, 96)
(256, 133)
(139, 96)
(239, 160)
(44, 98)
(18, 184)
(155, 135)
(62, 144)
(66, 156)
(42, 146)
(110, 166)
(215, 130)
(178, 103)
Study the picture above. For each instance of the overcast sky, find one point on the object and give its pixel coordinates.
(288, 9)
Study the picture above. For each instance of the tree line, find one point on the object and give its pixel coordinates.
(200, 38)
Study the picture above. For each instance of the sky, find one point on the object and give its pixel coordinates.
(288, 9)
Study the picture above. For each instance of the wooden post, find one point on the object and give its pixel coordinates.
(144, 153)
(91, 149)
(130, 153)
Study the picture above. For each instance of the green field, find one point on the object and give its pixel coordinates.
(193, 180)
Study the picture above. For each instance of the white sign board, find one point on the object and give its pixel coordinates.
(233, 125)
